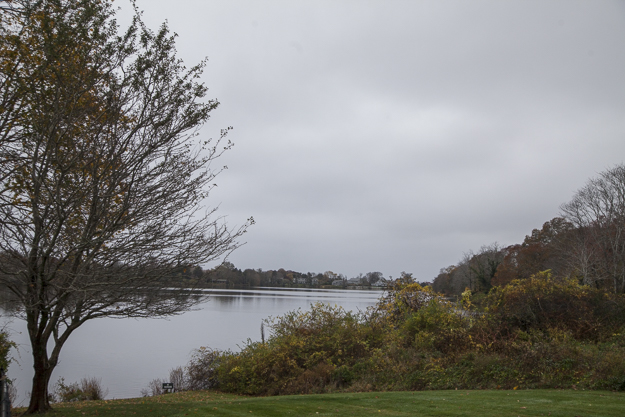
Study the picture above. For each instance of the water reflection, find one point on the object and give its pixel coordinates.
(284, 297)
(128, 353)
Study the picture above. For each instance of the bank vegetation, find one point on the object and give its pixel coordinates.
(541, 332)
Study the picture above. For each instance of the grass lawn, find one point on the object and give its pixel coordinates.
(422, 403)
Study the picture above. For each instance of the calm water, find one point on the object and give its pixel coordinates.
(127, 353)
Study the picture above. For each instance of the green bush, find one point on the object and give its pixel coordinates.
(302, 354)
(436, 325)
(403, 297)
(5, 347)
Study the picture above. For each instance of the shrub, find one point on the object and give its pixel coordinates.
(5, 346)
(436, 325)
(155, 387)
(177, 377)
(542, 332)
(543, 301)
(87, 389)
(301, 353)
(323, 334)
(202, 369)
(404, 296)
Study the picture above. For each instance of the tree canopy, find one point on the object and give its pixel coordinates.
(586, 242)
(103, 184)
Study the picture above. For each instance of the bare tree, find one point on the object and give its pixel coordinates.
(598, 212)
(373, 277)
(478, 269)
(103, 183)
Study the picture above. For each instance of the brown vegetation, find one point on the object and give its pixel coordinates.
(586, 243)
(542, 332)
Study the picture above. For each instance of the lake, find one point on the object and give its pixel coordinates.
(128, 353)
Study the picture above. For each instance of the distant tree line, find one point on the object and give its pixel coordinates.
(227, 275)
(586, 242)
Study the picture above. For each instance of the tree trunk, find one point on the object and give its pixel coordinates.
(39, 400)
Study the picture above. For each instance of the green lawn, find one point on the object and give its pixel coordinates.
(423, 403)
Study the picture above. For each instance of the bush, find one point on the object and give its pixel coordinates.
(404, 296)
(202, 369)
(542, 332)
(544, 302)
(436, 325)
(5, 346)
(177, 377)
(155, 387)
(302, 353)
(87, 389)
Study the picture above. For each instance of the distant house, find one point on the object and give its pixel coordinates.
(379, 283)
(338, 283)
(356, 281)
(331, 275)
(306, 280)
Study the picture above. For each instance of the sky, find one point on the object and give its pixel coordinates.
(399, 135)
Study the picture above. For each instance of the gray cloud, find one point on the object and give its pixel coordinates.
(390, 136)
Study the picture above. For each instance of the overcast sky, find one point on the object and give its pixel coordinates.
(397, 135)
